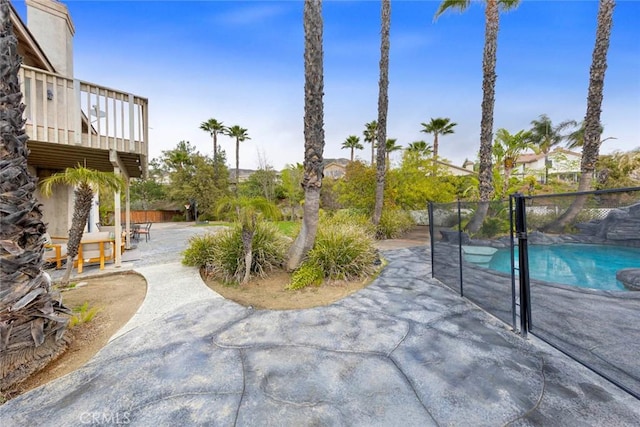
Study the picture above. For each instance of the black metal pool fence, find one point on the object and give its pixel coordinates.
(493, 268)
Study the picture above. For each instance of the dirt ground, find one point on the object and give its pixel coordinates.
(117, 297)
(269, 293)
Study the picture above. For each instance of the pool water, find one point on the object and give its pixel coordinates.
(587, 266)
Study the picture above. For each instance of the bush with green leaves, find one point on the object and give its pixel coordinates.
(83, 314)
(343, 250)
(394, 223)
(308, 274)
(221, 254)
(358, 217)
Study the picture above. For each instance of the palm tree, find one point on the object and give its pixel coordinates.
(492, 23)
(247, 211)
(383, 107)
(420, 147)
(576, 138)
(313, 131)
(370, 135)
(240, 134)
(214, 127)
(592, 125)
(353, 143)
(86, 183)
(438, 126)
(546, 136)
(391, 146)
(31, 326)
(507, 148)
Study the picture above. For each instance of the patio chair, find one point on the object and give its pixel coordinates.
(146, 230)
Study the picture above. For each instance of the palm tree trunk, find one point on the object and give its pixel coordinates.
(592, 126)
(352, 150)
(373, 156)
(247, 243)
(507, 177)
(31, 328)
(215, 154)
(383, 106)
(81, 211)
(435, 146)
(485, 173)
(237, 166)
(313, 132)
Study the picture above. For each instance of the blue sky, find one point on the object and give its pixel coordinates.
(242, 62)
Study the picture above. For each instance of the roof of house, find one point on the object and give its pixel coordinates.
(341, 162)
(449, 165)
(533, 157)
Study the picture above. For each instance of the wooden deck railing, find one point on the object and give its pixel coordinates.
(60, 110)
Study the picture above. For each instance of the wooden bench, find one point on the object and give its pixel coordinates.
(55, 250)
(96, 247)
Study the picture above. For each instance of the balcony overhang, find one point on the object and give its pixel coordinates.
(59, 156)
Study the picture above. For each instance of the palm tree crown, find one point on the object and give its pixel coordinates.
(420, 147)
(240, 134)
(391, 146)
(353, 143)
(545, 135)
(370, 136)
(213, 127)
(438, 126)
(86, 183)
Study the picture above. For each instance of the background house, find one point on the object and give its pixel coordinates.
(464, 170)
(335, 168)
(563, 164)
(70, 121)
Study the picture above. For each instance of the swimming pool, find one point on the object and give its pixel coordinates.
(587, 266)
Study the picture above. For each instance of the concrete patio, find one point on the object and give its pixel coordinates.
(405, 351)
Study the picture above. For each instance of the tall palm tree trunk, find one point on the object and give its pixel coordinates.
(215, 154)
(352, 152)
(237, 166)
(592, 126)
(31, 328)
(313, 131)
(383, 106)
(82, 208)
(485, 172)
(435, 146)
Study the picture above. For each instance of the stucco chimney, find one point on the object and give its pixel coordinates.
(50, 23)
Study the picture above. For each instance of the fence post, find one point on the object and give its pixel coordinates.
(513, 267)
(431, 238)
(460, 247)
(523, 259)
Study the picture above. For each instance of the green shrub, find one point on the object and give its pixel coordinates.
(83, 314)
(493, 226)
(307, 274)
(394, 223)
(353, 216)
(221, 254)
(343, 250)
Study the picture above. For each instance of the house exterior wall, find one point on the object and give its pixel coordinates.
(334, 171)
(57, 209)
(562, 162)
(51, 25)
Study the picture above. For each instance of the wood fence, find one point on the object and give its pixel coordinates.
(151, 216)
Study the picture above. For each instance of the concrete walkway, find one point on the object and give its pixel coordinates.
(405, 351)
